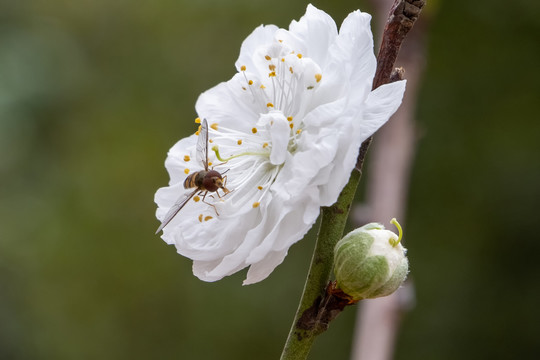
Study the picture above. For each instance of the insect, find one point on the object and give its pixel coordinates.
(204, 181)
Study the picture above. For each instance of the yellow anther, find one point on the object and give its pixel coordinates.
(265, 145)
(269, 105)
(239, 142)
(243, 67)
(282, 59)
(187, 158)
(298, 131)
(243, 88)
(262, 86)
(206, 218)
(280, 41)
(256, 204)
(299, 56)
(200, 217)
(250, 82)
(209, 163)
(197, 120)
(272, 74)
(210, 140)
(291, 125)
(289, 118)
(197, 132)
(254, 130)
(214, 126)
(259, 187)
(267, 57)
(272, 67)
(291, 70)
(318, 77)
(196, 198)
(186, 171)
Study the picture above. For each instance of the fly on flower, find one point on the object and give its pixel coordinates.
(204, 181)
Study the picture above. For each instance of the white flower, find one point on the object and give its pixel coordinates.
(290, 124)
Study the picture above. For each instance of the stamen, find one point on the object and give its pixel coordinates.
(272, 67)
(269, 105)
(272, 74)
(289, 118)
(250, 82)
(256, 204)
(298, 131)
(186, 171)
(262, 86)
(291, 125)
(243, 68)
(259, 187)
(197, 120)
(206, 218)
(267, 57)
(196, 198)
(209, 163)
(254, 130)
(299, 56)
(239, 142)
(214, 126)
(265, 145)
(200, 217)
(187, 158)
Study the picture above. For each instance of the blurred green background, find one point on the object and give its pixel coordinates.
(94, 93)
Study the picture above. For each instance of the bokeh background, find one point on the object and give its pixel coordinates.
(94, 93)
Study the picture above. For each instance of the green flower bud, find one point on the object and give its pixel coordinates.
(370, 262)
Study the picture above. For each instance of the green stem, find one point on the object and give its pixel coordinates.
(303, 333)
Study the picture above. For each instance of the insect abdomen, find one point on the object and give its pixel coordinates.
(194, 180)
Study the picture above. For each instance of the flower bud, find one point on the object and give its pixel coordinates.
(370, 262)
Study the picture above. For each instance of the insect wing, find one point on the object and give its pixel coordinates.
(202, 145)
(178, 205)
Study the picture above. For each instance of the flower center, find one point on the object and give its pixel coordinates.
(279, 88)
(282, 79)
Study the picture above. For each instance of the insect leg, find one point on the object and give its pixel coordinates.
(207, 203)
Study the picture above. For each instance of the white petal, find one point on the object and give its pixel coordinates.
(356, 39)
(317, 30)
(380, 105)
(261, 35)
(226, 104)
(278, 126)
(260, 271)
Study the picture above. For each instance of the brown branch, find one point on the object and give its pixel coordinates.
(402, 16)
(401, 19)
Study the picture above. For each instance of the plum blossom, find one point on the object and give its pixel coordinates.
(285, 130)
